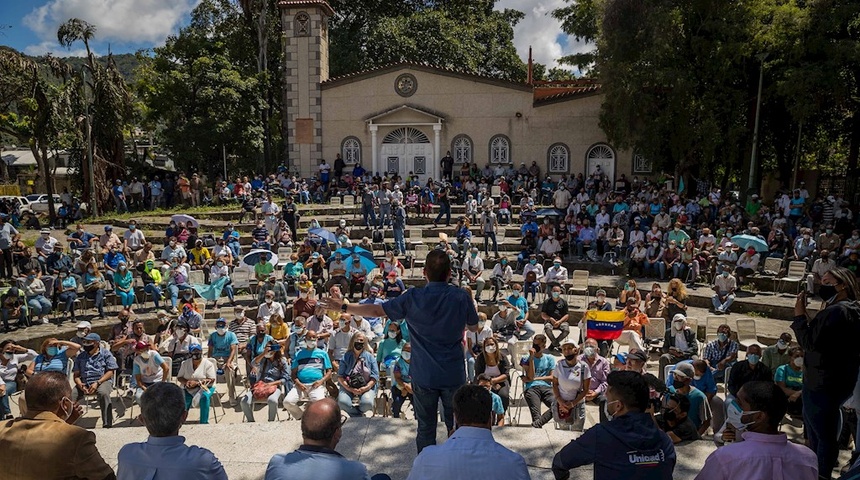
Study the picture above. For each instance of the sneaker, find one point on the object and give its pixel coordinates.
(45, 321)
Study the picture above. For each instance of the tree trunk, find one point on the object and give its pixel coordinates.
(854, 144)
(40, 153)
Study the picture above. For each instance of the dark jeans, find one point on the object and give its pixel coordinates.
(98, 297)
(425, 402)
(6, 262)
(444, 209)
(821, 417)
(534, 397)
(398, 398)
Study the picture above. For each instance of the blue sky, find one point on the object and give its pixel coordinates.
(125, 26)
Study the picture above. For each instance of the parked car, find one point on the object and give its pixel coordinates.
(19, 202)
(40, 204)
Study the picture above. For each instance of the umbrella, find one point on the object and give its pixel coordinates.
(323, 233)
(253, 257)
(188, 219)
(355, 250)
(367, 263)
(745, 241)
(550, 212)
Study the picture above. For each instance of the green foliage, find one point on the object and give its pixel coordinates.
(201, 90)
(460, 34)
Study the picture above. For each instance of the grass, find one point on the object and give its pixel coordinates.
(757, 314)
(306, 210)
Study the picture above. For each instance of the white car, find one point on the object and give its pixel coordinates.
(244, 271)
(21, 202)
(40, 204)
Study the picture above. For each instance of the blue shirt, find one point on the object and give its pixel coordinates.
(374, 321)
(402, 366)
(314, 463)
(544, 365)
(586, 234)
(220, 345)
(521, 304)
(311, 365)
(167, 458)
(57, 363)
(404, 329)
(498, 406)
(437, 315)
(706, 384)
(92, 368)
(470, 453)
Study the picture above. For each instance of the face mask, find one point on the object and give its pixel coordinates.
(753, 358)
(270, 300)
(780, 345)
(296, 329)
(606, 409)
(392, 334)
(725, 274)
(504, 262)
(196, 356)
(308, 344)
(81, 334)
(31, 277)
(536, 347)
(827, 291)
(697, 377)
(187, 297)
(172, 244)
(221, 330)
(181, 332)
(516, 293)
(474, 255)
(734, 416)
(91, 271)
(69, 410)
(601, 300)
(679, 326)
(406, 355)
(556, 264)
(52, 351)
(491, 349)
(131, 227)
(303, 295)
(570, 357)
(556, 294)
(722, 337)
(146, 354)
(532, 261)
(359, 346)
(589, 352)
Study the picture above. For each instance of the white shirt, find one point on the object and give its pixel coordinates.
(205, 370)
(473, 264)
(507, 274)
(537, 268)
(556, 274)
(266, 311)
(135, 238)
(175, 346)
(470, 453)
(339, 342)
(570, 378)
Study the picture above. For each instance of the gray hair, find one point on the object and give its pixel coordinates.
(162, 406)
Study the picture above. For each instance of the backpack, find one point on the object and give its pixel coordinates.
(377, 236)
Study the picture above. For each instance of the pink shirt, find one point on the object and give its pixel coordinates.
(761, 456)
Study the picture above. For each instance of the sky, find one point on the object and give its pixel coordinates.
(125, 26)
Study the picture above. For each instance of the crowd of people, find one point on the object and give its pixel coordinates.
(307, 345)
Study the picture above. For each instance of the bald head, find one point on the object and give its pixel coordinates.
(321, 423)
(45, 390)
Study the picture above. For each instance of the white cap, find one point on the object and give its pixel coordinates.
(568, 341)
(84, 324)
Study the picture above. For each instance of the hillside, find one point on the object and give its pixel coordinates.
(125, 62)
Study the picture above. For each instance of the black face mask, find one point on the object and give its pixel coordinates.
(669, 415)
(570, 357)
(536, 347)
(827, 291)
(678, 383)
(359, 346)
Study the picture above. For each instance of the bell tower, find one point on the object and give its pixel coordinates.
(305, 25)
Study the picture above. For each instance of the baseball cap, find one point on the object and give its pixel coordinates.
(684, 370)
(221, 322)
(84, 324)
(315, 255)
(194, 347)
(568, 341)
(93, 337)
(374, 289)
(108, 228)
(45, 231)
(621, 357)
(637, 355)
(600, 292)
(392, 274)
(141, 346)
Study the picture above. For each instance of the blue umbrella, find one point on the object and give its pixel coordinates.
(367, 263)
(355, 250)
(323, 233)
(744, 241)
(550, 212)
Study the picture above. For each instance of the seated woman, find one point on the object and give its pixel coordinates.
(497, 366)
(197, 378)
(676, 299)
(390, 349)
(790, 379)
(124, 285)
(148, 367)
(273, 378)
(53, 357)
(279, 330)
(358, 376)
(67, 293)
(219, 270)
(631, 290)
(94, 288)
(401, 386)
(571, 381)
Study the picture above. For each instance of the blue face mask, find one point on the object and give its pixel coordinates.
(722, 337)
(753, 358)
(52, 351)
(532, 261)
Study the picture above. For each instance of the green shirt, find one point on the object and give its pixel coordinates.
(263, 270)
(793, 378)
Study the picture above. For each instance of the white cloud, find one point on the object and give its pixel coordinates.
(131, 21)
(56, 49)
(541, 31)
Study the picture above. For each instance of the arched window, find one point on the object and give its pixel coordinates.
(600, 159)
(500, 149)
(558, 158)
(302, 25)
(461, 148)
(350, 150)
(406, 135)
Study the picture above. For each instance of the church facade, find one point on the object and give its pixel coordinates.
(405, 117)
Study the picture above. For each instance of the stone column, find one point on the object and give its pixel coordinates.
(374, 149)
(437, 151)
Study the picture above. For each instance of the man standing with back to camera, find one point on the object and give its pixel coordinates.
(436, 316)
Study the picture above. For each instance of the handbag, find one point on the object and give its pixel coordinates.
(262, 390)
(356, 377)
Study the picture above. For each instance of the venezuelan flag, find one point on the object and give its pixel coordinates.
(603, 325)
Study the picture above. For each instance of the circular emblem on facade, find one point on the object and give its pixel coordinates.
(406, 85)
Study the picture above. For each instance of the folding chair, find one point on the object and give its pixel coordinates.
(284, 254)
(772, 266)
(578, 285)
(796, 274)
(349, 204)
(746, 332)
(656, 329)
(520, 349)
(196, 277)
(420, 257)
(496, 192)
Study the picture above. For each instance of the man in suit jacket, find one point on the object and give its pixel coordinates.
(44, 443)
(679, 344)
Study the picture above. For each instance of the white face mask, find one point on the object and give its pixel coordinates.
(481, 325)
(491, 349)
(81, 334)
(798, 362)
(734, 416)
(68, 410)
(406, 355)
(180, 332)
(392, 334)
(221, 330)
(270, 300)
(146, 354)
(679, 326)
(606, 410)
(780, 345)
